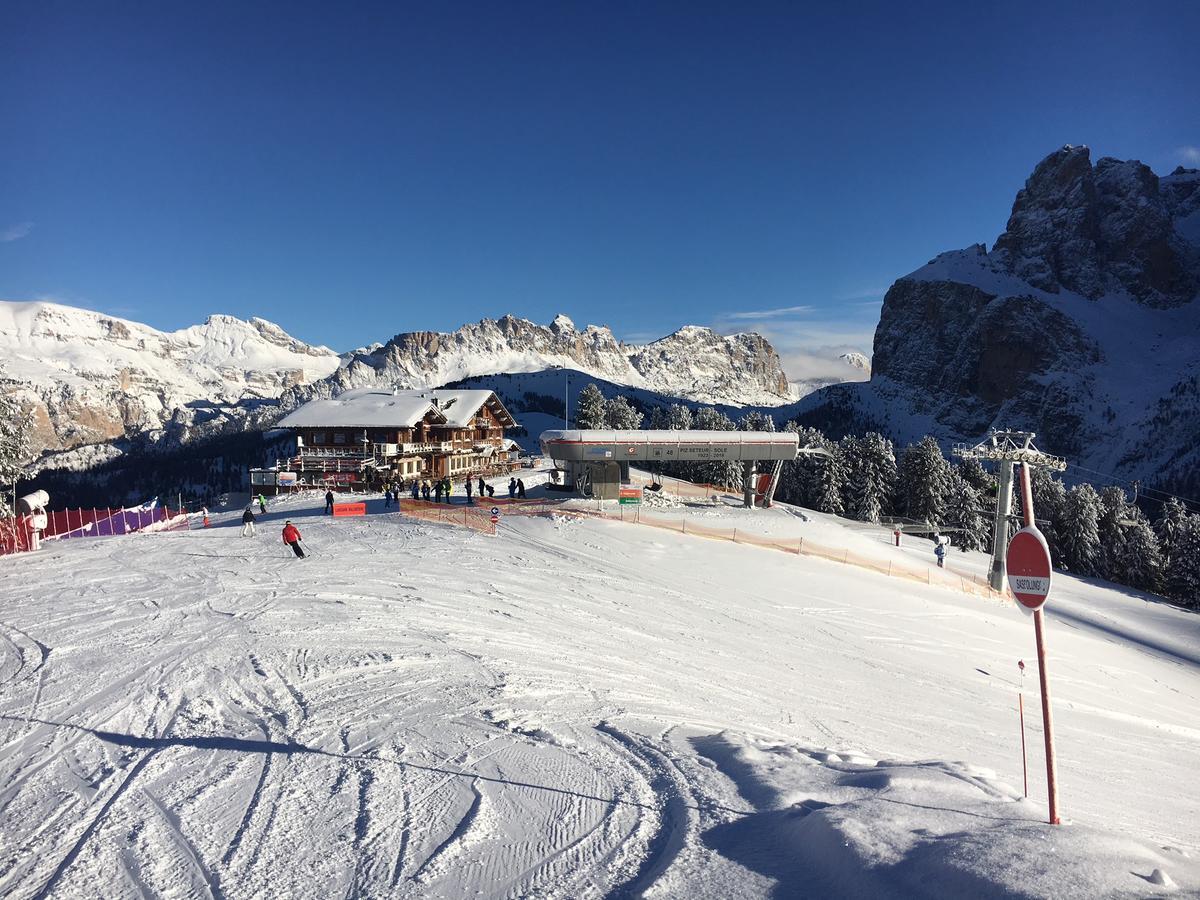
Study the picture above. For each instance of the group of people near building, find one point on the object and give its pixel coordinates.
(441, 489)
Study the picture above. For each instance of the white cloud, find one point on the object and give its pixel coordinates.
(1190, 155)
(15, 232)
(770, 313)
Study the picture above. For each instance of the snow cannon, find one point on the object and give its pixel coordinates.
(32, 510)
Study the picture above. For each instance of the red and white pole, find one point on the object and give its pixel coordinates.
(1039, 631)
(1021, 712)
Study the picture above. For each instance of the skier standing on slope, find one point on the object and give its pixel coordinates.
(329, 503)
(512, 488)
(520, 488)
(437, 491)
(416, 489)
(291, 537)
(425, 491)
(482, 486)
(262, 504)
(940, 552)
(467, 485)
(248, 522)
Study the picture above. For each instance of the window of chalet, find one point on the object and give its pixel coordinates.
(318, 437)
(339, 437)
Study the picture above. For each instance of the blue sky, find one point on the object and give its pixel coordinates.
(355, 170)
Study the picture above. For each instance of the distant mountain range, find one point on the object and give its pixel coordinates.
(1082, 323)
(93, 379)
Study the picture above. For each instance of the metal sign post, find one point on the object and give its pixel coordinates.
(1028, 568)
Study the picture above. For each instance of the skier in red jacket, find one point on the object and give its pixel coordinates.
(291, 537)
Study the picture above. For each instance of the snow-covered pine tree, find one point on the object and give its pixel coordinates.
(829, 483)
(1080, 533)
(16, 448)
(964, 509)
(1174, 514)
(1182, 575)
(978, 477)
(721, 473)
(679, 417)
(1114, 511)
(924, 482)
(658, 419)
(1049, 507)
(619, 415)
(591, 408)
(1139, 563)
(870, 476)
(756, 421)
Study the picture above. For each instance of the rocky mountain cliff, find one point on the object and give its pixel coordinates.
(93, 378)
(1082, 324)
(693, 363)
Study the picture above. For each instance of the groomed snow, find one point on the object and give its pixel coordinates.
(573, 708)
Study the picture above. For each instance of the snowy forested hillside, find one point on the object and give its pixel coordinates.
(574, 709)
(1082, 324)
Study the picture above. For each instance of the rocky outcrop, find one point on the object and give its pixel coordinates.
(1081, 324)
(91, 378)
(693, 363)
(1096, 230)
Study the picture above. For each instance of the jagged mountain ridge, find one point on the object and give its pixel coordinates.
(1082, 324)
(693, 363)
(93, 379)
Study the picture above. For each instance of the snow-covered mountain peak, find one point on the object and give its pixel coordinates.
(94, 377)
(1081, 324)
(562, 323)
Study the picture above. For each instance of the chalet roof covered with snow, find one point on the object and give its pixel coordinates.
(376, 408)
(365, 408)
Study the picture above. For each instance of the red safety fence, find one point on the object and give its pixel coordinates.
(66, 524)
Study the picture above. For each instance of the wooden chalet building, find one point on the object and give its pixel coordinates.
(367, 437)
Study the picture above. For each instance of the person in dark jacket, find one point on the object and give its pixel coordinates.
(248, 522)
(416, 489)
(512, 488)
(482, 486)
(491, 490)
(425, 491)
(291, 537)
(520, 488)
(467, 487)
(329, 503)
(387, 496)
(940, 552)
(437, 491)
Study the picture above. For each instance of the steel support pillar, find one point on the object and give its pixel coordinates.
(748, 485)
(1000, 526)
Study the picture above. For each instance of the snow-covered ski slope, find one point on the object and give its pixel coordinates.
(573, 708)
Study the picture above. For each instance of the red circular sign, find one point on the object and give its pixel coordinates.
(1028, 567)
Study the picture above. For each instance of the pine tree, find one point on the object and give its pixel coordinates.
(870, 476)
(978, 477)
(1080, 534)
(658, 419)
(619, 415)
(829, 484)
(16, 449)
(1139, 563)
(1115, 511)
(720, 473)
(924, 482)
(591, 408)
(964, 509)
(1049, 507)
(1174, 514)
(679, 417)
(1183, 571)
